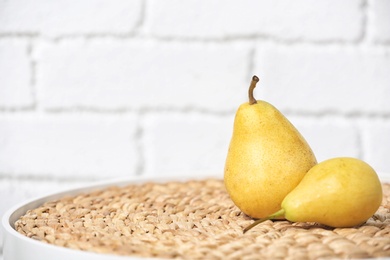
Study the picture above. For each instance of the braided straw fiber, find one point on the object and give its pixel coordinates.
(193, 220)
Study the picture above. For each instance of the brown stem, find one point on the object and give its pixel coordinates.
(252, 100)
(277, 214)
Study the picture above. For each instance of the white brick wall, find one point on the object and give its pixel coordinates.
(376, 142)
(102, 89)
(291, 20)
(79, 74)
(179, 143)
(15, 74)
(381, 20)
(316, 79)
(68, 146)
(62, 17)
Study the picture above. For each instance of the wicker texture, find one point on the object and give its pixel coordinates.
(193, 220)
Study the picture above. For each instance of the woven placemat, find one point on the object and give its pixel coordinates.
(193, 220)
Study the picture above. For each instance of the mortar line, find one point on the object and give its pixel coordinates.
(32, 81)
(365, 22)
(138, 139)
(135, 34)
(198, 110)
(141, 21)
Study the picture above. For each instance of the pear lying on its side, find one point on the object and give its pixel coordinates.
(339, 192)
(267, 157)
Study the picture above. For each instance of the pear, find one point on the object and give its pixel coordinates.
(339, 192)
(267, 157)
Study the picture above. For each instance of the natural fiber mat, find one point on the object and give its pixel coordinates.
(193, 220)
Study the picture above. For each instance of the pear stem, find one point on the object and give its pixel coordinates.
(272, 216)
(254, 81)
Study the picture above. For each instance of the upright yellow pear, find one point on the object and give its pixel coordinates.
(267, 158)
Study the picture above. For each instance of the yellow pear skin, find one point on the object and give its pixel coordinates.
(339, 192)
(267, 158)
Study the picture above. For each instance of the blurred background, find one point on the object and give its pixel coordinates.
(94, 90)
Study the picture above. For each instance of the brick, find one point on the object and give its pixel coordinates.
(15, 74)
(186, 144)
(376, 142)
(67, 146)
(329, 137)
(111, 74)
(302, 19)
(308, 79)
(381, 20)
(69, 17)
